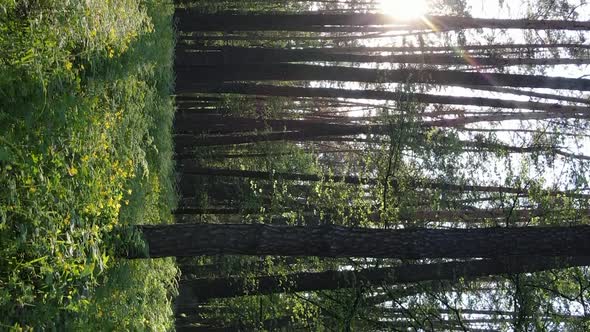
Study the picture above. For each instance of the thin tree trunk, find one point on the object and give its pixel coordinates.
(196, 123)
(534, 94)
(182, 157)
(490, 312)
(245, 55)
(190, 77)
(285, 130)
(199, 270)
(456, 216)
(481, 146)
(350, 179)
(258, 38)
(519, 130)
(478, 214)
(459, 49)
(290, 91)
(205, 289)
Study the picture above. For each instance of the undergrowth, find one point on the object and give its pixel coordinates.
(85, 149)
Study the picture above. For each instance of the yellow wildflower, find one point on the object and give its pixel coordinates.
(72, 171)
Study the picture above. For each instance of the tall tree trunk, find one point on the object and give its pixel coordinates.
(520, 92)
(191, 122)
(204, 289)
(479, 214)
(285, 130)
(290, 91)
(482, 146)
(453, 216)
(197, 123)
(183, 240)
(351, 179)
(194, 21)
(190, 76)
(459, 49)
(250, 55)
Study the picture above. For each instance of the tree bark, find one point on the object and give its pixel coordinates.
(483, 146)
(197, 123)
(351, 179)
(184, 240)
(250, 55)
(193, 21)
(205, 289)
(459, 49)
(188, 77)
(290, 91)
(533, 94)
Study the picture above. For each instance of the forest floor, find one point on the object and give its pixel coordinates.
(85, 151)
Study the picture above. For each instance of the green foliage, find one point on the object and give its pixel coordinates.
(85, 148)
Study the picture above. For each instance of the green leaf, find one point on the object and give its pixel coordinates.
(5, 154)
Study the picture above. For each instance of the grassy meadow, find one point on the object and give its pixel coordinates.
(85, 151)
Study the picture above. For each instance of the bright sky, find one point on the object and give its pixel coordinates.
(512, 8)
(406, 9)
(477, 8)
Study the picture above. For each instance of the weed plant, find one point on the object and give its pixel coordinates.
(85, 151)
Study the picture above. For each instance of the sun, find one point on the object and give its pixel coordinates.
(404, 9)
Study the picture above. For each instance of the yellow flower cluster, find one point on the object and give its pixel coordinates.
(115, 170)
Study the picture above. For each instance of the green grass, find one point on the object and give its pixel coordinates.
(85, 150)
